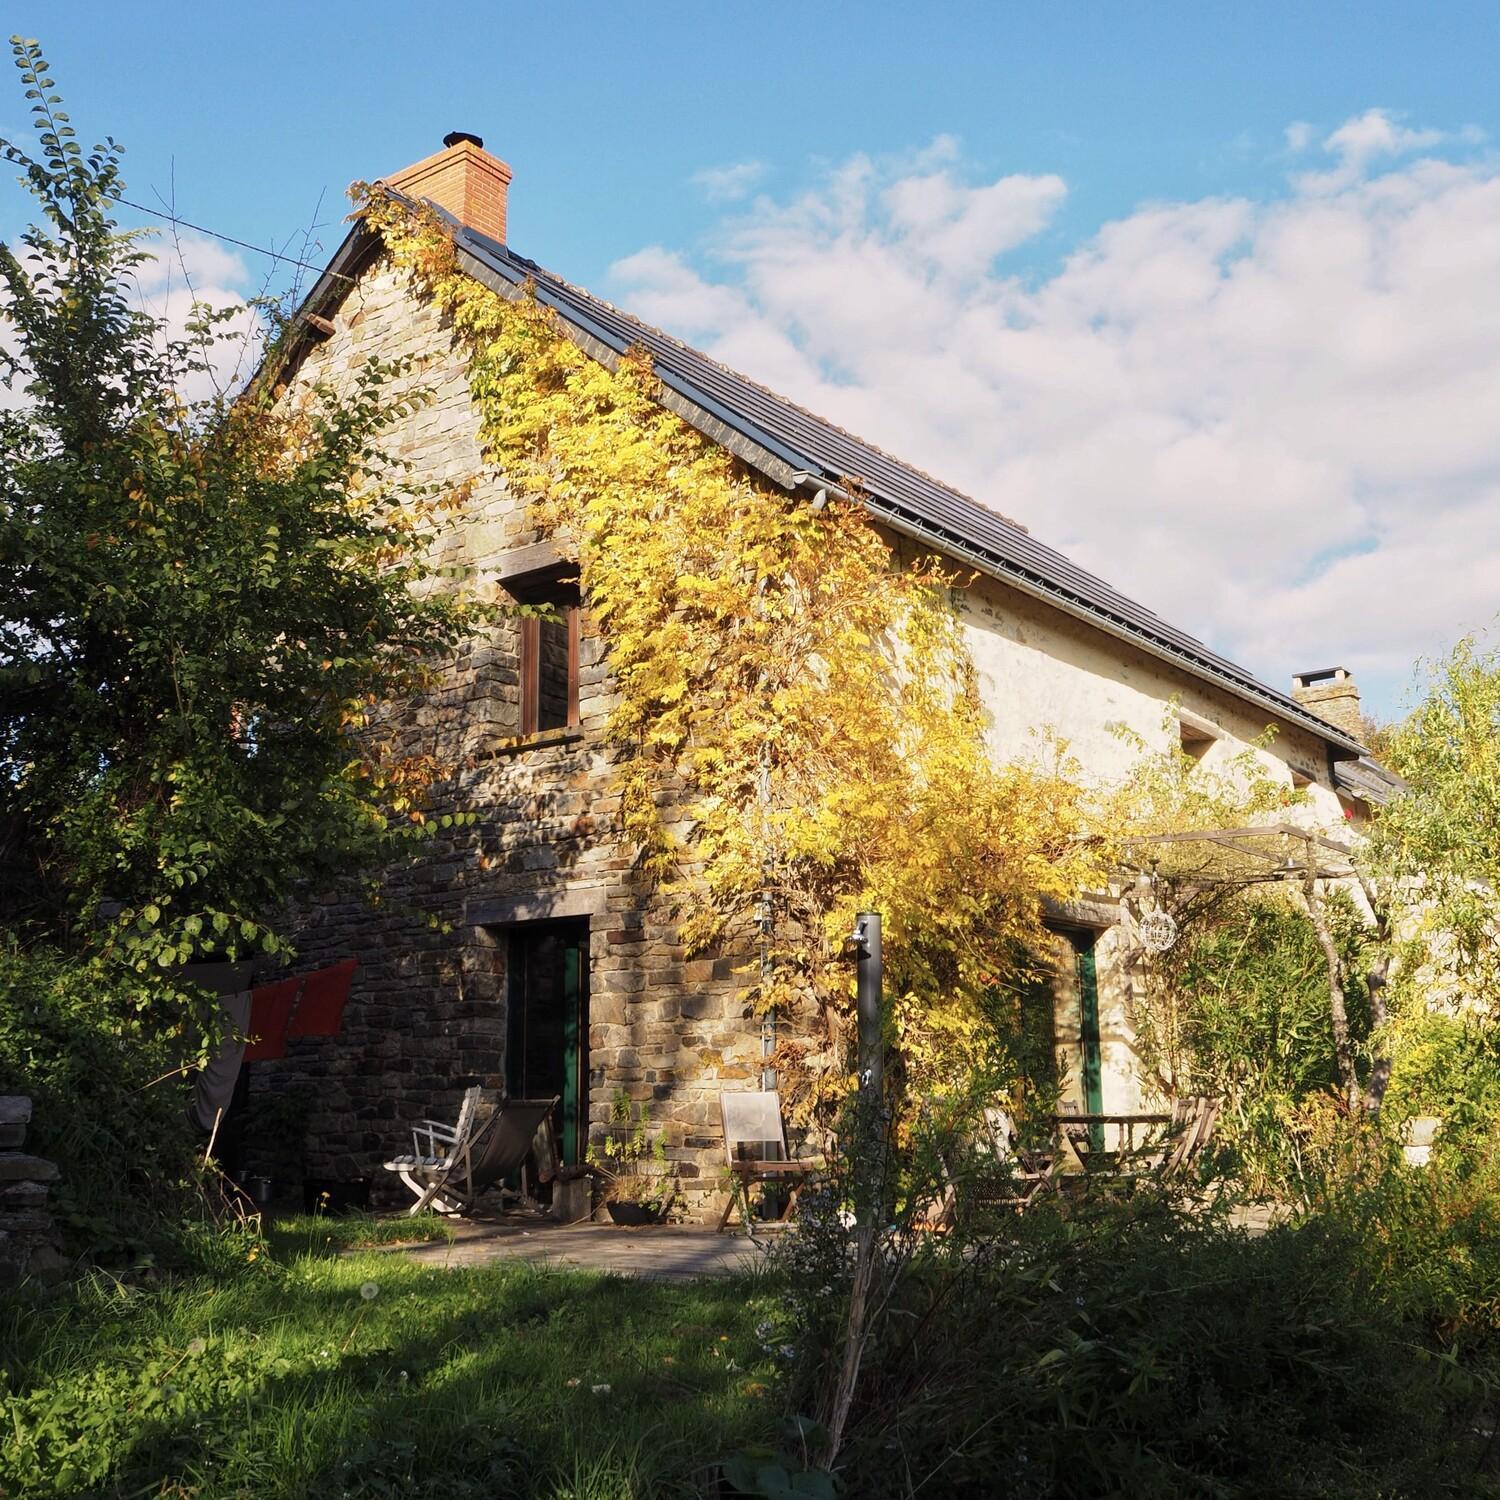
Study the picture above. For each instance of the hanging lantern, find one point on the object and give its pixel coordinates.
(1158, 930)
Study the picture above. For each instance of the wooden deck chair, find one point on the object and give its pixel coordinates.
(755, 1151)
(1199, 1117)
(1032, 1173)
(473, 1156)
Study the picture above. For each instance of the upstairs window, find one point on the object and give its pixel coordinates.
(549, 661)
(539, 576)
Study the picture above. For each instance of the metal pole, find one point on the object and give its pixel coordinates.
(867, 992)
(869, 1113)
(768, 1017)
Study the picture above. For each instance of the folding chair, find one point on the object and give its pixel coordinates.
(1198, 1117)
(465, 1161)
(755, 1151)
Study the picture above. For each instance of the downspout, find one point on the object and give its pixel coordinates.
(805, 479)
(767, 914)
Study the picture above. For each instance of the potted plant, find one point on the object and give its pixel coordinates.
(633, 1163)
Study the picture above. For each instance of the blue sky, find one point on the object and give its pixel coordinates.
(606, 110)
(612, 115)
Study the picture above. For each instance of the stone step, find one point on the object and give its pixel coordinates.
(17, 1166)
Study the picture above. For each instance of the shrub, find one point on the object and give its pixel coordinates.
(95, 1051)
(1141, 1347)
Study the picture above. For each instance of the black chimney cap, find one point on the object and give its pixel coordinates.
(455, 136)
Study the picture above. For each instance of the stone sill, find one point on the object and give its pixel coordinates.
(542, 740)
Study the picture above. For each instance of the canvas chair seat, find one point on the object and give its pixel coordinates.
(755, 1151)
(477, 1155)
(1032, 1174)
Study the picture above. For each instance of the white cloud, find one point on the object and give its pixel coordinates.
(730, 183)
(1377, 133)
(192, 272)
(1299, 135)
(1271, 421)
(1364, 139)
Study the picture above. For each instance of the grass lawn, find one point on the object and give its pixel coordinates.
(306, 1373)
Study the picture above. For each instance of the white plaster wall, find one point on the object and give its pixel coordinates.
(1043, 673)
(1041, 670)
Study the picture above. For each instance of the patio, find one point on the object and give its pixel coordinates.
(675, 1252)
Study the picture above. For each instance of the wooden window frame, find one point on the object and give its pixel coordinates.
(530, 670)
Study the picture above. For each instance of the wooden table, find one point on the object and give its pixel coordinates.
(1095, 1158)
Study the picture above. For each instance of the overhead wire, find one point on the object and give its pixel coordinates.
(229, 239)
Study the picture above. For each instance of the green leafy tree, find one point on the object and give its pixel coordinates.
(206, 604)
(1436, 848)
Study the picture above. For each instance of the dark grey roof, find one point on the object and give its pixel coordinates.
(794, 447)
(1366, 779)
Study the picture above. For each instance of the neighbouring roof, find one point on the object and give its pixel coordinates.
(797, 449)
(1366, 779)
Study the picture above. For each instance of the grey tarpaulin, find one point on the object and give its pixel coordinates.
(213, 1088)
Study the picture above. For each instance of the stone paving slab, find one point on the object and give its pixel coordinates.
(671, 1252)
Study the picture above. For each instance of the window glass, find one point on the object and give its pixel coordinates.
(554, 680)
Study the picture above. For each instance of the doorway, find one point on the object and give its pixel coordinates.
(1077, 991)
(547, 1030)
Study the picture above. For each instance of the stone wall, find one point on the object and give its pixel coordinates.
(427, 1014)
(30, 1246)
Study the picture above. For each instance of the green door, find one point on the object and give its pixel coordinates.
(547, 1031)
(573, 1092)
(1091, 1061)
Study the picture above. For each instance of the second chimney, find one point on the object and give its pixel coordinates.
(463, 179)
(1333, 695)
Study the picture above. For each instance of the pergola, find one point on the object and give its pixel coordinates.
(1239, 856)
(1225, 859)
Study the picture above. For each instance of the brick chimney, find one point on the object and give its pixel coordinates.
(1333, 695)
(462, 178)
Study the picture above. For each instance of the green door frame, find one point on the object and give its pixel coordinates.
(572, 1052)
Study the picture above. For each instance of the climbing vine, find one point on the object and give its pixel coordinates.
(796, 725)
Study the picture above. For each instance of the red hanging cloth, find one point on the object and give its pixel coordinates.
(270, 1012)
(324, 994)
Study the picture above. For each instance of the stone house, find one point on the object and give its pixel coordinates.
(523, 954)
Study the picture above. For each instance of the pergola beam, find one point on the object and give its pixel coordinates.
(1243, 841)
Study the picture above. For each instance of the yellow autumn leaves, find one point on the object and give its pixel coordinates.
(796, 713)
